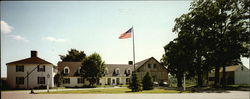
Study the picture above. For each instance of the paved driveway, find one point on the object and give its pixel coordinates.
(228, 95)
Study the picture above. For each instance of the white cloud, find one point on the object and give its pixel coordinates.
(19, 38)
(5, 27)
(52, 39)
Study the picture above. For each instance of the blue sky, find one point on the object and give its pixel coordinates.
(53, 27)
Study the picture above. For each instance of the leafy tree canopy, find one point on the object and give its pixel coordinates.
(93, 68)
(73, 56)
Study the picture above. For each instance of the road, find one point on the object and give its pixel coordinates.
(225, 95)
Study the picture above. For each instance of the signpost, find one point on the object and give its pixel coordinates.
(48, 83)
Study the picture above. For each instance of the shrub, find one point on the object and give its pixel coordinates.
(147, 82)
(135, 84)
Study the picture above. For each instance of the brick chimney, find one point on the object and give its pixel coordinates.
(33, 53)
(130, 62)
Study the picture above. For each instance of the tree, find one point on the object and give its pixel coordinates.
(135, 84)
(58, 79)
(225, 23)
(218, 35)
(92, 68)
(147, 82)
(73, 56)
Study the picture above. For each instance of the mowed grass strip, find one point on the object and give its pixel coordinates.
(112, 91)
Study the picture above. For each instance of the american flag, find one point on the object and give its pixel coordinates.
(126, 34)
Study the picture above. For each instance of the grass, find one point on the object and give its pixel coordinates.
(112, 91)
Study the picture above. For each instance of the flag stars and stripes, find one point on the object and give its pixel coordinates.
(126, 34)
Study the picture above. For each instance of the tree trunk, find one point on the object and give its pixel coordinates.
(200, 82)
(199, 71)
(217, 74)
(207, 78)
(179, 79)
(224, 76)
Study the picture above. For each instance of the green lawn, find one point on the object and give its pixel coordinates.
(112, 91)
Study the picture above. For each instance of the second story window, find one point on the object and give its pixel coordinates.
(117, 71)
(41, 68)
(106, 71)
(128, 71)
(19, 68)
(149, 65)
(79, 70)
(66, 70)
(154, 66)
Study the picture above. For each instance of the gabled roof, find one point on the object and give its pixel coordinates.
(141, 63)
(231, 68)
(73, 67)
(31, 60)
(122, 67)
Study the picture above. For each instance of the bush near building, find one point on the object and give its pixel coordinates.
(135, 84)
(147, 82)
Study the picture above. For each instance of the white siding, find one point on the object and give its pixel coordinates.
(74, 83)
(242, 77)
(104, 80)
(12, 74)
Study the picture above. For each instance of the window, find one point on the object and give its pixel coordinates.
(128, 71)
(80, 80)
(66, 80)
(117, 71)
(19, 80)
(149, 65)
(154, 66)
(109, 81)
(40, 80)
(79, 70)
(19, 68)
(41, 68)
(106, 71)
(113, 81)
(117, 81)
(127, 80)
(66, 70)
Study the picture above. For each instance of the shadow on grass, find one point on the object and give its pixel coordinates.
(199, 89)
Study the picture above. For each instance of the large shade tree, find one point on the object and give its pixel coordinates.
(92, 69)
(73, 55)
(217, 30)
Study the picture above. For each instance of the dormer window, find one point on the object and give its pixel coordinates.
(129, 72)
(66, 70)
(79, 70)
(117, 71)
(106, 71)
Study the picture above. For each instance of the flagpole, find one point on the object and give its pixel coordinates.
(133, 48)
